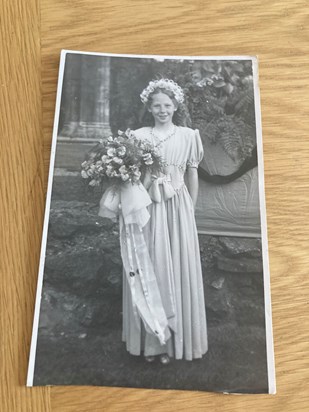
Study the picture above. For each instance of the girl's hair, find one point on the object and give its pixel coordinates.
(169, 93)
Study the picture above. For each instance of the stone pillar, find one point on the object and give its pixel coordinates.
(84, 115)
(70, 102)
(101, 123)
(86, 103)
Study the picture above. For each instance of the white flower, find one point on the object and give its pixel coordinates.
(111, 152)
(105, 159)
(129, 134)
(109, 170)
(94, 182)
(121, 151)
(125, 177)
(136, 175)
(147, 156)
(110, 138)
(122, 169)
(84, 174)
(117, 160)
(147, 159)
(84, 164)
(201, 83)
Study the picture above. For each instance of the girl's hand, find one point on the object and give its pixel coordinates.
(192, 183)
(147, 180)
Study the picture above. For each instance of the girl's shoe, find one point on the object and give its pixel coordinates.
(149, 359)
(165, 359)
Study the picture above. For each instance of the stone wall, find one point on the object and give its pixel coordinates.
(79, 339)
(83, 265)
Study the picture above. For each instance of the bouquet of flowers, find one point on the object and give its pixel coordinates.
(120, 159)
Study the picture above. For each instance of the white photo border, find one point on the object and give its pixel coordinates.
(262, 201)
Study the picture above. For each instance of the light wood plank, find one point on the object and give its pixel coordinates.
(276, 31)
(22, 198)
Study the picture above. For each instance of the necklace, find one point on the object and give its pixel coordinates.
(161, 141)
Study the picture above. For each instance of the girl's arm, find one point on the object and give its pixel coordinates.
(192, 183)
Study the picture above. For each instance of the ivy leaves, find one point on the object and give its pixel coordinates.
(220, 99)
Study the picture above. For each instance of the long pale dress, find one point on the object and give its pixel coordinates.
(172, 240)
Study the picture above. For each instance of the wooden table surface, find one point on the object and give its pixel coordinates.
(32, 34)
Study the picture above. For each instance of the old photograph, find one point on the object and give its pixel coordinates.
(154, 268)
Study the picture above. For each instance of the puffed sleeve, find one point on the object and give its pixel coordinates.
(196, 152)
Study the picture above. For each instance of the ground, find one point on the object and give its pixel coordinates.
(81, 315)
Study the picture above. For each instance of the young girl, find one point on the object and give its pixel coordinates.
(171, 234)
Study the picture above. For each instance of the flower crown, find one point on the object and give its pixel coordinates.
(162, 84)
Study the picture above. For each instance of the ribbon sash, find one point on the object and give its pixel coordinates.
(167, 189)
(129, 202)
(143, 284)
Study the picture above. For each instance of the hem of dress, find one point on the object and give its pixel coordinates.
(189, 359)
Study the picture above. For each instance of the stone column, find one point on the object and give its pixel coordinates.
(84, 117)
(85, 102)
(70, 102)
(94, 109)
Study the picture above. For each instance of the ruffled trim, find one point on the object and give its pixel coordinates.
(193, 164)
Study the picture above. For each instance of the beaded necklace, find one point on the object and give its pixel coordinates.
(161, 140)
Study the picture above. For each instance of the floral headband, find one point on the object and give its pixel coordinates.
(162, 84)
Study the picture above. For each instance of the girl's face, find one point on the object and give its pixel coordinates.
(162, 108)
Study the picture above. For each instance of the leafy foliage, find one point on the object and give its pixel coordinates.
(219, 98)
(221, 104)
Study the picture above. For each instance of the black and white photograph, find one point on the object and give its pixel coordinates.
(154, 268)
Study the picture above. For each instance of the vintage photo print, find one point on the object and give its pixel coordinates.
(154, 267)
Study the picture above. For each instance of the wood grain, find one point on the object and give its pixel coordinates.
(32, 34)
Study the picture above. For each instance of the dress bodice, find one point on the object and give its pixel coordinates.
(181, 150)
